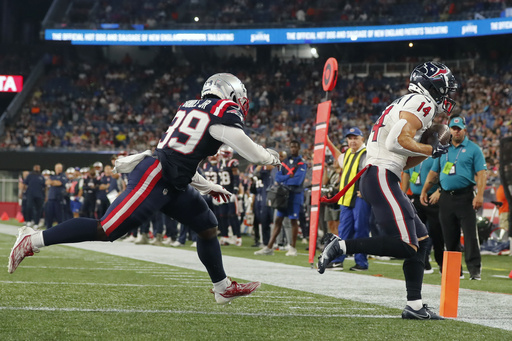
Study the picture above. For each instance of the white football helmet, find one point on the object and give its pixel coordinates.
(226, 152)
(227, 86)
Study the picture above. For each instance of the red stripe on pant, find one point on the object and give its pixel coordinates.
(135, 204)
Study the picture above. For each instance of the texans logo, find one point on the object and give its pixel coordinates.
(433, 70)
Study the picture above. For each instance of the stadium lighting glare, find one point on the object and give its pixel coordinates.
(314, 52)
(196, 19)
(411, 44)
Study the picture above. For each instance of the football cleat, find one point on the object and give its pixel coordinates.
(422, 314)
(235, 290)
(265, 251)
(331, 251)
(22, 248)
(291, 251)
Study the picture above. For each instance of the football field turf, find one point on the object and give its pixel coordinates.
(122, 291)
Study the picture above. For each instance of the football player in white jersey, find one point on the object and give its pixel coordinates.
(393, 145)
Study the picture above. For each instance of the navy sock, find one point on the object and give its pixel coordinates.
(380, 246)
(414, 268)
(71, 231)
(210, 255)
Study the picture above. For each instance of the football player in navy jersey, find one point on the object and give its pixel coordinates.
(229, 178)
(171, 184)
(393, 146)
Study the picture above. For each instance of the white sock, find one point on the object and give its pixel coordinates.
(416, 304)
(221, 286)
(37, 239)
(343, 246)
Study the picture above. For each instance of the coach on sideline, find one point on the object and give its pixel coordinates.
(456, 172)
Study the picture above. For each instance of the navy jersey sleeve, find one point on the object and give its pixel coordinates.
(229, 113)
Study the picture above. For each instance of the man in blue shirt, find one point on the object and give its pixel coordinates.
(456, 172)
(292, 175)
(414, 178)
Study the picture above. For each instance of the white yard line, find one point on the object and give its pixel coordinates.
(195, 312)
(478, 307)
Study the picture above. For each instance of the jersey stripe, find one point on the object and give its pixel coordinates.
(393, 203)
(220, 107)
(152, 175)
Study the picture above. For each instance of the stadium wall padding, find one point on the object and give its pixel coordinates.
(25, 160)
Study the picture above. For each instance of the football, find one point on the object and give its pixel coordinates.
(443, 133)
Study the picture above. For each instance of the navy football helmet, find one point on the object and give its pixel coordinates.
(227, 86)
(435, 80)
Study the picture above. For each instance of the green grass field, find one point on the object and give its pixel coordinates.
(65, 293)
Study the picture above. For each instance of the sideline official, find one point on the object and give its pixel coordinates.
(457, 171)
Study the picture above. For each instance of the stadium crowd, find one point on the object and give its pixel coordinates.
(164, 14)
(125, 106)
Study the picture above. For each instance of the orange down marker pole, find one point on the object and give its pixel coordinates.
(329, 78)
(450, 283)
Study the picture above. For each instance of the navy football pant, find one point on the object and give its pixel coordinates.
(394, 213)
(147, 193)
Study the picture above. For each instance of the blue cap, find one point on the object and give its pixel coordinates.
(354, 131)
(458, 122)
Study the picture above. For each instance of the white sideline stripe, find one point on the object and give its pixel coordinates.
(313, 302)
(477, 307)
(195, 312)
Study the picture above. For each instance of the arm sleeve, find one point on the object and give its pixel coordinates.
(280, 177)
(239, 141)
(299, 176)
(201, 184)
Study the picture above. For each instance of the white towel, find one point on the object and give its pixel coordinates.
(128, 163)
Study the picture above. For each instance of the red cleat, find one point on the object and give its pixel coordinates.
(22, 248)
(235, 290)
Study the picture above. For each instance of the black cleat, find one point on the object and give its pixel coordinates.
(358, 267)
(423, 314)
(331, 251)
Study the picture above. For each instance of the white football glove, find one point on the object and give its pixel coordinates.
(219, 193)
(275, 157)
